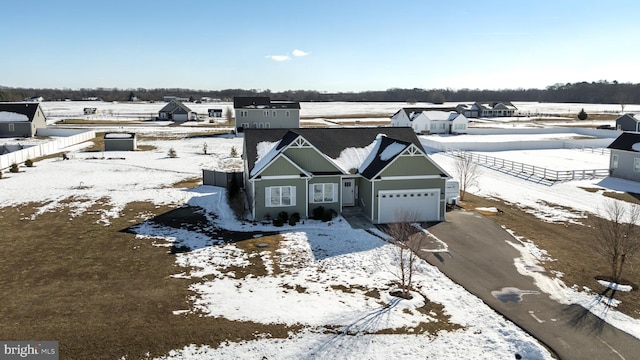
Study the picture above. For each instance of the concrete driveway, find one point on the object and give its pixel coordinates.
(480, 259)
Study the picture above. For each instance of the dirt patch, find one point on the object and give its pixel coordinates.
(99, 291)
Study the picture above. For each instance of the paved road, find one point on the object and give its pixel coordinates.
(481, 260)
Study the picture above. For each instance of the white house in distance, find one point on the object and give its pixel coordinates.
(430, 121)
(263, 113)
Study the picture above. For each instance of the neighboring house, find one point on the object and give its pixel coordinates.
(383, 171)
(216, 113)
(120, 142)
(171, 98)
(264, 113)
(90, 111)
(34, 99)
(624, 161)
(175, 110)
(628, 122)
(21, 119)
(487, 109)
(403, 116)
(432, 121)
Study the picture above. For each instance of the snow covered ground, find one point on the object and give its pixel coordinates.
(328, 257)
(57, 110)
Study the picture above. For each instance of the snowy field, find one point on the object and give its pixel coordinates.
(556, 159)
(57, 110)
(328, 257)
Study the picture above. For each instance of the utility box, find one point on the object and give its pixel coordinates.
(452, 192)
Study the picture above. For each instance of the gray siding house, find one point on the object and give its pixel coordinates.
(487, 109)
(628, 122)
(21, 119)
(120, 142)
(175, 110)
(624, 161)
(382, 171)
(264, 113)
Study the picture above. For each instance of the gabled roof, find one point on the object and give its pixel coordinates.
(627, 141)
(27, 109)
(632, 117)
(411, 110)
(262, 102)
(490, 105)
(175, 106)
(438, 115)
(331, 142)
(384, 152)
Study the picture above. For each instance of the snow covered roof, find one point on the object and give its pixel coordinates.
(384, 151)
(627, 141)
(262, 102)
(9, 116)
(347, 148)
(119, 135)
(175, 106)
(16, 112)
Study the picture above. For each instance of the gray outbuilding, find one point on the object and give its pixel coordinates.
(624, 162)
(21, 119)
(119, 142)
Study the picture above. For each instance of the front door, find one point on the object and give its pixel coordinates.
(348, 192)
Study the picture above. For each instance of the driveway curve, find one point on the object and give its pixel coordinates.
(480, 259)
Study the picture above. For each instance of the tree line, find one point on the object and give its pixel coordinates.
(603, 92)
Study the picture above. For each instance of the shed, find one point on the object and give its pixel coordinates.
(216, 113)
(119, 142)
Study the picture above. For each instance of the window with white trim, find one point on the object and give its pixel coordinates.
(277, 196)
(323, 193)
(636, 164)
(614, 161)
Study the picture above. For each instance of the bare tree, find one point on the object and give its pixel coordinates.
(467, 170)
(616, 235)
(401, 234)
(228, 115)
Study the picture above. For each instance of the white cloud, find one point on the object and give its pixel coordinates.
(279, 57)
(297, 52)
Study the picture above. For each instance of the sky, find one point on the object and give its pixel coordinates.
(328, 46)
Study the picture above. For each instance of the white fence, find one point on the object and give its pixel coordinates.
(528, 171)
(63, 139)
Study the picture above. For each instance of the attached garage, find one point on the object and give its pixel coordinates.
(419, 204)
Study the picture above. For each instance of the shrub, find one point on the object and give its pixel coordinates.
(14, 168)
(292, 221)
(234, 151)
(284, 216)
(29, 163)
(327, 215)
(172, 153)
(278, 222)
(582, 115)
(317, 213)
(295, 217)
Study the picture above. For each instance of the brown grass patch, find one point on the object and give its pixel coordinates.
(189, 183)
(99, 291)
(570, 246)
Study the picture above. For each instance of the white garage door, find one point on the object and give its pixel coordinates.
(422, 205)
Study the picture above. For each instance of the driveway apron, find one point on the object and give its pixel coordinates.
(481, 260)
